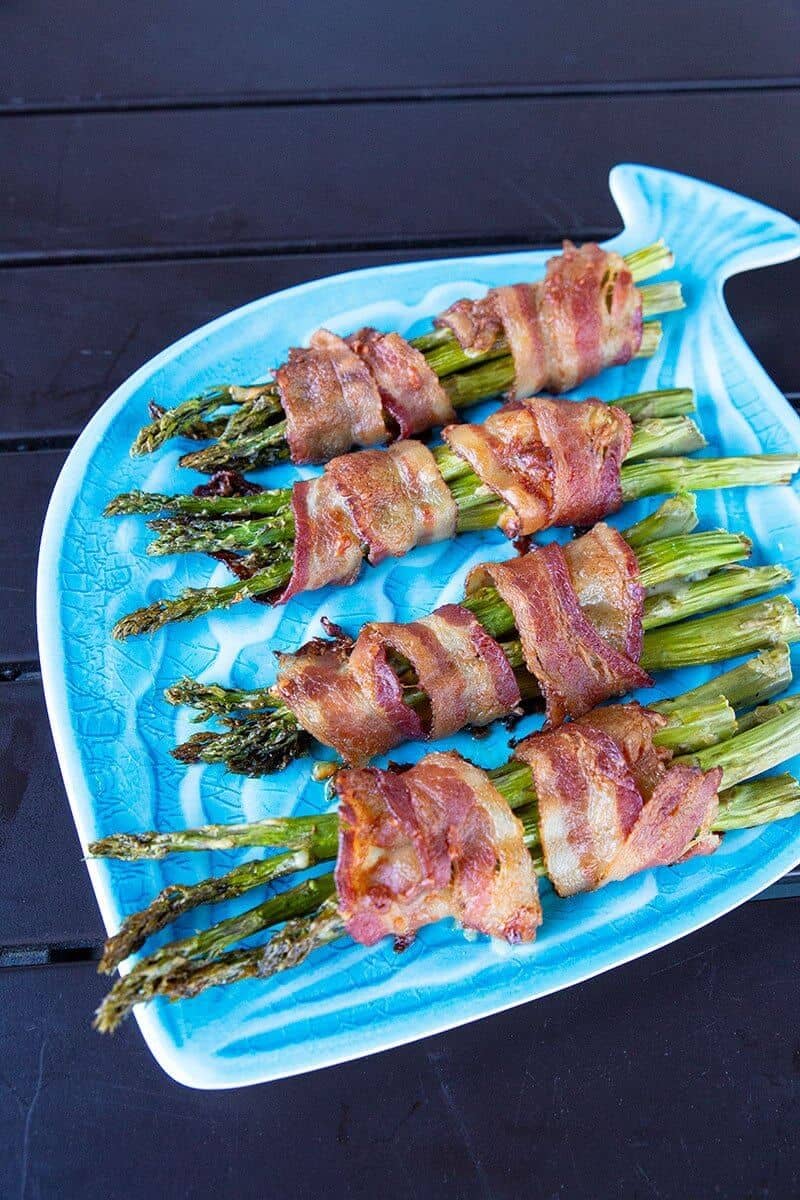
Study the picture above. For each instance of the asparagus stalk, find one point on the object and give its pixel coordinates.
(258, 408)
(183, 968)
(676, 516)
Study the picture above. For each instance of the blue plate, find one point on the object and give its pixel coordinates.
(113, 730)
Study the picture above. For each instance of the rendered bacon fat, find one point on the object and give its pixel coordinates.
(585, 315)
(381, 501)
(349, 696)
(554, 462)
(576, 662)
(434, 841)
(609, 805)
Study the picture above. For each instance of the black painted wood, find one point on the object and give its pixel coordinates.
(45, 895)
(91, 53)
(673, 1076)
(102, 322)
(133, 184)
(28, 481)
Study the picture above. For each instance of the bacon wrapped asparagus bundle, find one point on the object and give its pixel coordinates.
(573, 625)
(535, 464)
(370, 388)
(622, 789)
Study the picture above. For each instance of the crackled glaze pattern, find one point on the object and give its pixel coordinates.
(113, 729)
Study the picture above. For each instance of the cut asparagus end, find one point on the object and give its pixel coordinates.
(658, 298)
(753, 751)
(721, 635)
(728, 585)
(650, 260)
(762, 676)
(696, 726)
(660, 475)
(670, 402)
(679, 557)
(651, 339)
(664, 436)
(760, 802)
(675, 517)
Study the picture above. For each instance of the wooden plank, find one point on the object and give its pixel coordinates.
(28, 482)
(103, 322)
(45, 895)
(95, 54)
(672, 1076)
(371, 175)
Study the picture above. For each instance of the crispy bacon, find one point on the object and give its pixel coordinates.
(606, 578)
(609, 805)
(585, 315)
(462, 671)
(327, 546)
(316, 683)
(382, 502)
(554, 462)
(352, 699)
(410, 390)
(359, 390)
(434, 841)
(330, 400)
(575, 665)
(396, 497)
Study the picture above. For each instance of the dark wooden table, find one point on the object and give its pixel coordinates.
(161, 163)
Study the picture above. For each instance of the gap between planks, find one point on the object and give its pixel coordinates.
(87, 106)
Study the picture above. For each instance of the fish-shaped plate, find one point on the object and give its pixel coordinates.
(113, 729)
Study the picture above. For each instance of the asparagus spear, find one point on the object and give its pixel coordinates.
(257, 409)
(190, 965)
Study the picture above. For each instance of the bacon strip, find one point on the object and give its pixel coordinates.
(437, 840)
(410, 390)
(576, 667)
(359, 390)
(609, 806)
(352, 699)
(330, 400)
(585, 315)
(554, 462)
(327, 546)
(606, 578)
(383, 502)
(331, 704)
(457, 665)
(397, 498)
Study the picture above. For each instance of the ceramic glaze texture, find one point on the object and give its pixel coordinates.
(113, 729)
